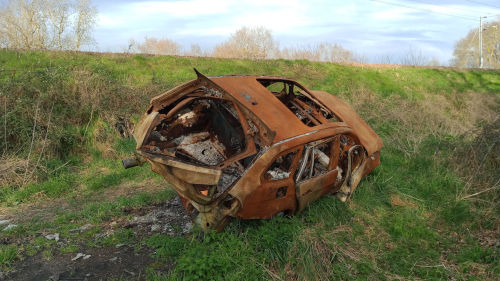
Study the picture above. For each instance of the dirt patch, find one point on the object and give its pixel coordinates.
(168, 218)
(103, 264)
(111, 262)
(131, 188)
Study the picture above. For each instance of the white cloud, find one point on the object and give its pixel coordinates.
(392, 14)
(109, 21)
(363, 25)
(187, 8)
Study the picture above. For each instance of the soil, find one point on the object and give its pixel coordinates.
(103, 264)
(111, 262)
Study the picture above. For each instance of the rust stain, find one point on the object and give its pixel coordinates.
(252, 147)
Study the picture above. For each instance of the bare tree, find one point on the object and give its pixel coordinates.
(466, 52)
(300, 53)
(131, 46)
(384, 59)
(195, 51)
(85, 19)
(58, 13)
(248, 43)
(156, 46)
(47, 24)
(414, 57)
(321, 52)
(434, 62)
(360, 57)
(22, 25)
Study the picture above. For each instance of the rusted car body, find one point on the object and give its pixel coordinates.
(252, 147)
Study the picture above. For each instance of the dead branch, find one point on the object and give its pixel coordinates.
(469, 182)
(43, 144)
(495, 186)
(33, 133)
(5, 126)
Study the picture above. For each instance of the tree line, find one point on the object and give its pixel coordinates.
(69, 25)
(255, 43)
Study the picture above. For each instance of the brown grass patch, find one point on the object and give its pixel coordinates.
(314, 254)
(396, 200)
(12, 171)
(434, 115)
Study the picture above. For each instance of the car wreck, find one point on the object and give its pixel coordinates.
(252, 147)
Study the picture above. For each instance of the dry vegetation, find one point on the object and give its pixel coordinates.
(429, 211)
(47, 24)
(466, 53)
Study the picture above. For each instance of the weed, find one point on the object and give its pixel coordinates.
(72, 248)
(121, 236)
(8, 254)
(166, 247)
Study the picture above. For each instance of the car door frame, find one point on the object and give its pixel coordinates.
(315, 186)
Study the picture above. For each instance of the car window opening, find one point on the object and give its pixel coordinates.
(280, 168)
(203, 129)
(314, 161)
(294, 98)
(204, 132)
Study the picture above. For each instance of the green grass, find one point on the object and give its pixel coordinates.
(404, 221)
(8, 254)
(370, 239)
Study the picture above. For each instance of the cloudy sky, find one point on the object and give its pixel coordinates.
(367, 27)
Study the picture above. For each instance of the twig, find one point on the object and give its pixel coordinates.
(438, 265)
(90, 120)
(272, 274)
(480, 165)
(387, 180)
(59, 167)
(495, 186)
(418, 199)
(43, 145)
(31, 145)
(5, 125)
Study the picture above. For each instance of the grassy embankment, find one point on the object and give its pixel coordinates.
(415, 216)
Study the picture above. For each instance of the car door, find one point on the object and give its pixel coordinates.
(277, 190)
(317, 170)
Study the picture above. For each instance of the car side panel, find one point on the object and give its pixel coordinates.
(367, 136)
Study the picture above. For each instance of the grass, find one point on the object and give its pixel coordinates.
(370, 238)
(407, 219)
(8, 254)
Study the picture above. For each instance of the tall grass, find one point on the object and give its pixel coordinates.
(427, 212)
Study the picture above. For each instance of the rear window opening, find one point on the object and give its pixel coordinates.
(204, 131)
(295, 99)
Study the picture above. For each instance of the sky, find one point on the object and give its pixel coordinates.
(369, 28)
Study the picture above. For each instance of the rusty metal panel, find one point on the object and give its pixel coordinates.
(370, 140)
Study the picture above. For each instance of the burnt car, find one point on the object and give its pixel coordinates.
(252, 147)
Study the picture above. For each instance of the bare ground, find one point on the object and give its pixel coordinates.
(103, 264)
(107, 262)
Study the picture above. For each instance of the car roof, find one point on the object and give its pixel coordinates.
(249, 92)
